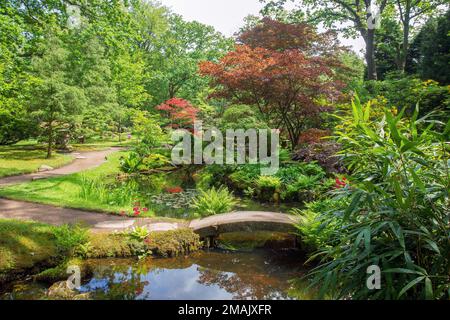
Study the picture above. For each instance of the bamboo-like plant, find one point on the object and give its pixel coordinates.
(397, 216)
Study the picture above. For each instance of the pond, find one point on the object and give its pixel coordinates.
(261, 273)
(171, 194)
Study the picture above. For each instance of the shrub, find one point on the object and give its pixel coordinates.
(213, 201)
(139, 233)
(398, 212)
(131, 163)
(313, 232)
(68, 237)
(269, 182)
(241, 117)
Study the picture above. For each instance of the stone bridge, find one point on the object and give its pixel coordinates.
(242, 221)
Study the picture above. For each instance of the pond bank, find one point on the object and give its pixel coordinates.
(246, 266)
(31, 248)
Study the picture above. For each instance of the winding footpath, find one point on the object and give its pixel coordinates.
(12, 209)
(101, 222)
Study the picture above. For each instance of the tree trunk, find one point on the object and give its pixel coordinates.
(50, 140)
(370, 55)
(405, 45)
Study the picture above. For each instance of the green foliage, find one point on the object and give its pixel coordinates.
(407, 92)
(269, 182)
(430, 50)
(294, 181)
(138, 233)
(69, 238)
(241, 117)
(213, 201)
(313, 232)
(397, 214)
(55, 100)
(96, 188)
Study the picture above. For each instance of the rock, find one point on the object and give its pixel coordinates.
(84, 296)
(44, 168)
(60, 291)
(80, 157)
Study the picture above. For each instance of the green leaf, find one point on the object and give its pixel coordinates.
(417, 180)
(355, 202)
(428, 289)
(410, 285)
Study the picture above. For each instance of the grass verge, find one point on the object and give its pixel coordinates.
(27, 158)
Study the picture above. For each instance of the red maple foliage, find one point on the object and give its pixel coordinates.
(286, 70)
(181, 113)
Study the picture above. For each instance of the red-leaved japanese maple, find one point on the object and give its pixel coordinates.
(181, 113)
(287, 71)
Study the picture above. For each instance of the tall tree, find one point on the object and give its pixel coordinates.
(429, 54)
(175, 55)
(409, 13)
(350, 16)
(286, 76)
(55, 100)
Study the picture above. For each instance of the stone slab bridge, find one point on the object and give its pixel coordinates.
(242, 221)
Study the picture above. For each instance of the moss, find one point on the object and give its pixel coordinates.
(59, 272)
(104, 245)
(173, 243)
(25, 247)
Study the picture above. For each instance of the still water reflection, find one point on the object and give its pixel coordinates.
(260, 274)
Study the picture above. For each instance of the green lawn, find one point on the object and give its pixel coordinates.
(24, 244)
(27, 158)
(65, 191)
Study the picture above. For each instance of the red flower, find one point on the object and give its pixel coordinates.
(175, 190)
(145, 209)
(341, 183)
(136, 213)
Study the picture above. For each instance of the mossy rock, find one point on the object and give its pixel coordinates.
(60, 272)
(173, 243)
(110, 246)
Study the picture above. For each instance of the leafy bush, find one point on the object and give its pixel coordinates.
(241, 117)
(398, 212)
(313, 232)
(139, 233)
(131, 163)
(213, 201)
(68, 237)
(155, 161)
(289, 181)
(406, 92)
(269, 182)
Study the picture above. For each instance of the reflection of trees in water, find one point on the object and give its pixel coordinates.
(244, 286)
(119, 282)
(255, 275)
